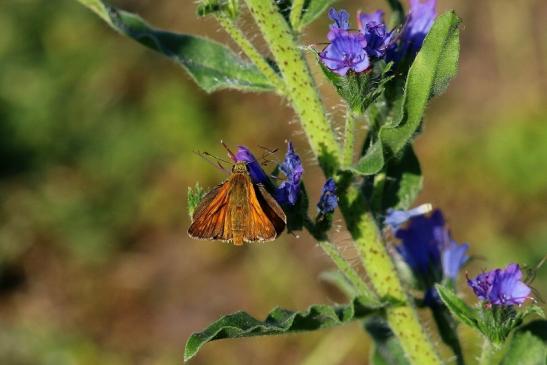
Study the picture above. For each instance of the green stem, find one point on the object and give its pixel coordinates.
(349, 139)
(402, 316)
(296, 13)
(301, 89)
(487, 352)
(305, 100)
(250, 51)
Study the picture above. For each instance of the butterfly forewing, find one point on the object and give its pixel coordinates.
(238, 211)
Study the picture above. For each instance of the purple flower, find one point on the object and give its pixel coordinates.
(288, 190)
(328, 200)
(501, 286)
(345, 52)
(341, 22)
(258, 176)
(372, 26)
(426, 246)
(419, 21)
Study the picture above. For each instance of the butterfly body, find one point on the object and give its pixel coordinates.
(238, 211)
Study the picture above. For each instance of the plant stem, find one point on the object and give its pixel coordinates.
(401, 315)
(301, 89)
(304, 97)
(250, 51)
(487, 352)
(296, 13)
(349, 139)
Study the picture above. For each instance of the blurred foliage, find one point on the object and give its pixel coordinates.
(97, 136)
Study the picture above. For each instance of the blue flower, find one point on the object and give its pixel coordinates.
(328, 200)
(419, 21)
(502, 287)
(428, 249)
(341, 22)
(372, 26)
(258, 176)
(345, 52)
(291, 167)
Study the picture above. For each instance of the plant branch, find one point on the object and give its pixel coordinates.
(250, 51)
(301, 89)
(296, 13)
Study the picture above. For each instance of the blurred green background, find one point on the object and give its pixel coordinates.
(97, 137)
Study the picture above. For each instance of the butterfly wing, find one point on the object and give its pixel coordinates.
(271, 208)
(260, 227)
(211, 218)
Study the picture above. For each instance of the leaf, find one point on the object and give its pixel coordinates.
(387, 349)
(372, 162)
(279, 321)
(538, 328)
(525, 349)
(212, 65)
(195, 195)
(457, 306)
(313, 10)
(435, 65)
(337, 279)
(403, 181)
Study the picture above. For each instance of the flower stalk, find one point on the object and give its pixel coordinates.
(349, 140)
(300, 85)
(250, 51)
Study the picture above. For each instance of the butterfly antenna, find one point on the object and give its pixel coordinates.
(230, 153)
(206, 155)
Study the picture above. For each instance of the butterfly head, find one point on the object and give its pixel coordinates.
(240, 167)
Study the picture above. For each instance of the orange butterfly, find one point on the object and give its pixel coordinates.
(238, 211)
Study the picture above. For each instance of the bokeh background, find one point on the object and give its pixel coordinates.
(96, 142)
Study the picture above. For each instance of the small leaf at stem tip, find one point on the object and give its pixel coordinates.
(525, 349)
(211, 65)
(457, 306)
(313, 10)
(279, 321)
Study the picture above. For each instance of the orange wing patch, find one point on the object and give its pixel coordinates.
(211, 217)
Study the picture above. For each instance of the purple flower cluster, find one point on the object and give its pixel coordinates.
(328, 200)
(502, 287)
(426, 245)
(287, 192)
(355, 50)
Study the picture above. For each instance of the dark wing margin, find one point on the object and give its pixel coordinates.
(271, 208)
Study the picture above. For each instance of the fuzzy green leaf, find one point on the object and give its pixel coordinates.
(525, 349)
(279, 321)
(457, 306)
(403, 182)
(387, 349)
(372, 162)
(212, 65)
(313, 10)
(435, 65)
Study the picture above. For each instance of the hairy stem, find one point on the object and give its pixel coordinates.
(349, 139)
(301, 89)
(296, 13)
(250, 51)
(402, 316)
(487, 352)
(304, 97)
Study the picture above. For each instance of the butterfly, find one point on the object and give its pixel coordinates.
(238, 211)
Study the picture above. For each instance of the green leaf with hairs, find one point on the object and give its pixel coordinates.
(313, 10)
(457, 306)
(212, 65)
(526, 348)
(279, 321)
(435, 65)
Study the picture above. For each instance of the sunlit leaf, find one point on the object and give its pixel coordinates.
(457, 306)
(526, 349)
(212, 65)
(279, 321)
